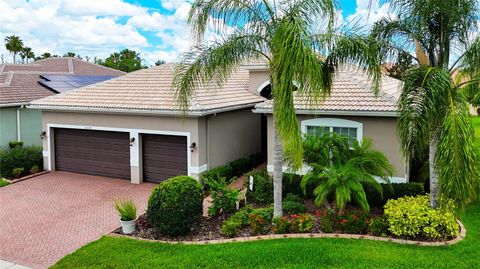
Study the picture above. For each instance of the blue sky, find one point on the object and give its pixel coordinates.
(96, 28)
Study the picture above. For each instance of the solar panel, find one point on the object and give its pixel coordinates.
(63, 83)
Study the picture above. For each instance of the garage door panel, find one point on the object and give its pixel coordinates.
(93, 152)
(163, 157)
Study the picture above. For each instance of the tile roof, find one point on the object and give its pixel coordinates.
(151, 90)
(351, 91)
(19, 82)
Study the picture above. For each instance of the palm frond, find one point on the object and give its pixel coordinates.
(218, 14)
(214, 63)
(456, 165)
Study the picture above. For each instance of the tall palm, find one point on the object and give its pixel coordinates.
(433, 110)
(282, 34)
(27, 53)
(13, 44)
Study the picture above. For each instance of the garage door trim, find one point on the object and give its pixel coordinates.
(134, 133)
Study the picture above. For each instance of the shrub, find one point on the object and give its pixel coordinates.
(262, 192)
(35, 169)
(378, 226)
(231, 227)
(17, 172)
(239, 220)
(223, 199)
(281, 225)
(20, 157)
(326, 218)
(293, 207)
(302, 223)
(353, 222)
(413, 217)
(14, 144)
(231, 170)
(292, 198)
(126, 209)
(260, 219)
(216, 174)
(3, 182)
(394, 191)
(175, 205)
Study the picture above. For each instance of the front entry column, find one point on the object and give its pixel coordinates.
(135, 158)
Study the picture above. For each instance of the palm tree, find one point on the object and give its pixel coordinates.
(70, 54)
(27, 54)
(341, 167)
(46, 55)
(282, 34)
(433, 110)
(13, 44)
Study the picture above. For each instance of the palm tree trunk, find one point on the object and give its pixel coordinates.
(277, 174)
(14, 54)
(434, 184)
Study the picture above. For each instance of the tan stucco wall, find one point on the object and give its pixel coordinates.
(231, 135)
(257, 78)
(219, 138)
(381, 130)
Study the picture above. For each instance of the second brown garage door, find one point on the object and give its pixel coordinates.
(164, 156)
(93, 152)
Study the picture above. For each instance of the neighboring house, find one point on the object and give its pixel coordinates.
(22, 83)
(132, 127)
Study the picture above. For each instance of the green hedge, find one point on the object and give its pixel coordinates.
(231, 170)
(394, 191)
(19, 156)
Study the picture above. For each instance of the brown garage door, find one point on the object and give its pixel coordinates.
(163, 157)
(93, 152)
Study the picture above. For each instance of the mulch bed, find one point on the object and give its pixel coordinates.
(208, 228)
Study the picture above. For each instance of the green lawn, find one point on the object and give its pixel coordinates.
(3, 182)
(286, 253)
(476, 125)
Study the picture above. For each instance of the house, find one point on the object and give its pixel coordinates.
(132, 127)
(22, 83)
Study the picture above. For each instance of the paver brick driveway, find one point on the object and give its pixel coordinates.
(44, 218)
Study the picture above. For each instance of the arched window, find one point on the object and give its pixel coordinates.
(321, 126)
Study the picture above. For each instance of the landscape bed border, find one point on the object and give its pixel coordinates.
(460, 237)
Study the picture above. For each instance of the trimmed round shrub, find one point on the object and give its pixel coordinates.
(175, 205)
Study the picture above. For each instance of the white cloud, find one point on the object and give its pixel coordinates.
(369, 11)
(172, 4)
(100, 8)
(52, 26)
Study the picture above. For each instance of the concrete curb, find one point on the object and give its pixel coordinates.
(460, 237)
(11, 181)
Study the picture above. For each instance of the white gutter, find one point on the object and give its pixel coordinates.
(13, 104)
(334, 112)
(199, 113)
(19, 129)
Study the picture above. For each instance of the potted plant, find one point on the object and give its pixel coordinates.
(128, 214)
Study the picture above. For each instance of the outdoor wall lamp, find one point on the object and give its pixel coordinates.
(43, 134)
(193, 146)
(132, 140)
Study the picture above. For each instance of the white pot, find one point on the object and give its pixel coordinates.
(128, 226)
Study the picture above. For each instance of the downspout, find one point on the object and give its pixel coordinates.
(19, 135)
